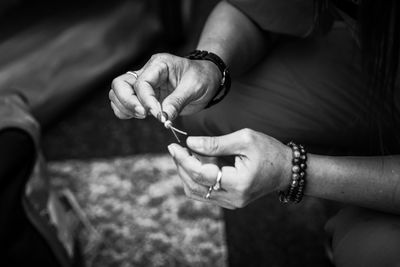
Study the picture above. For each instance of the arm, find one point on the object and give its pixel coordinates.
(263, 165)
(178, 85)
(234, 37)
(372, 182)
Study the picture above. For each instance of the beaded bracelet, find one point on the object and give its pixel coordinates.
(295, 191)
(225, 84)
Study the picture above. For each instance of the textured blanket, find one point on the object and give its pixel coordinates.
(139, 214)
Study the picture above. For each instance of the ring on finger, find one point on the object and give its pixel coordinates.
(133, 73)
(217, 185)
(208, 195)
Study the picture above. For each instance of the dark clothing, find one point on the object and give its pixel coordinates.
(21, 243)
(312, 91)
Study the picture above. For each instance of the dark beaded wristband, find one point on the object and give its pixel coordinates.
(225, 84)
(295, 191)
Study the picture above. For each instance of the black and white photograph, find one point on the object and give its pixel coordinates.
(183, 133)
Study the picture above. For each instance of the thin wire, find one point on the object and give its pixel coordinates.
(163, 117)
(177, 130)
(176, 136)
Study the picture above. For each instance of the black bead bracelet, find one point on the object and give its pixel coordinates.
(295, 191)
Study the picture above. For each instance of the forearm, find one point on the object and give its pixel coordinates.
(372, 182)
(234, 37)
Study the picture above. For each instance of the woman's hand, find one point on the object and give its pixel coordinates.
(262, 165)
(165, 83)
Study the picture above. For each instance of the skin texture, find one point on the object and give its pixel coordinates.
(166, 83)
(262, 164)
(177, 85)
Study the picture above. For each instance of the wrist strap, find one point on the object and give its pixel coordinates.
(225, 84)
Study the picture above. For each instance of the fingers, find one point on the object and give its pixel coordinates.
(198, 192)
(203, 174)
(198, 177)
(137, 94)
(179, 98)
(124, 99)
(163, 78)
(155, 74)
(119, 113)
(122, 112)
(230, 144)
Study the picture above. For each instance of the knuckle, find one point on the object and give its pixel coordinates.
(194, 190)
(136, 84)
(160, 65)
(247, 135)
(212, 144)
(197, 176)
(153, 57)
(177, 103)
(115, 82)
(158, 57)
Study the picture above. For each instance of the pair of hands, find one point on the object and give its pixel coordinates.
(177, 85)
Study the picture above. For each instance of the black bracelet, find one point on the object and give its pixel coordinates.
(295, 191)
(225, 84)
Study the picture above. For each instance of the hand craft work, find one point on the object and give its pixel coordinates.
(163, 117)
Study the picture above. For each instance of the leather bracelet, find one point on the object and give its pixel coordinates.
(225, 84)
(295, 191)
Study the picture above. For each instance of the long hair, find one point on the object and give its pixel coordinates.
(379, 35)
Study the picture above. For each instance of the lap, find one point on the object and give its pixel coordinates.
(311, 91)
(362, 237)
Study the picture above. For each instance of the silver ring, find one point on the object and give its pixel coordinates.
(208, 195)
(133, 73)
(217, 185)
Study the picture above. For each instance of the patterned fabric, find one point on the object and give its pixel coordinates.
(138, 215)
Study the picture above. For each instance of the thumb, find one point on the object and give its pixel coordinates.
(230, 144)
(175, 102)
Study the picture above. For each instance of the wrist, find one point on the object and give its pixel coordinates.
(212, 71)
(286, 169)
(295, 190)
(225, 82)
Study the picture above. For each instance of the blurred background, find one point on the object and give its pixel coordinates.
(63, 56)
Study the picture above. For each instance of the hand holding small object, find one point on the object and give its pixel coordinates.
(262, 165)
(168, 83)
(163, 117)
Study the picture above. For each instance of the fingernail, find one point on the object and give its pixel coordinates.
(169, 111)
(171, 150)
(162, 116)
(193, 142)
(140, 110)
